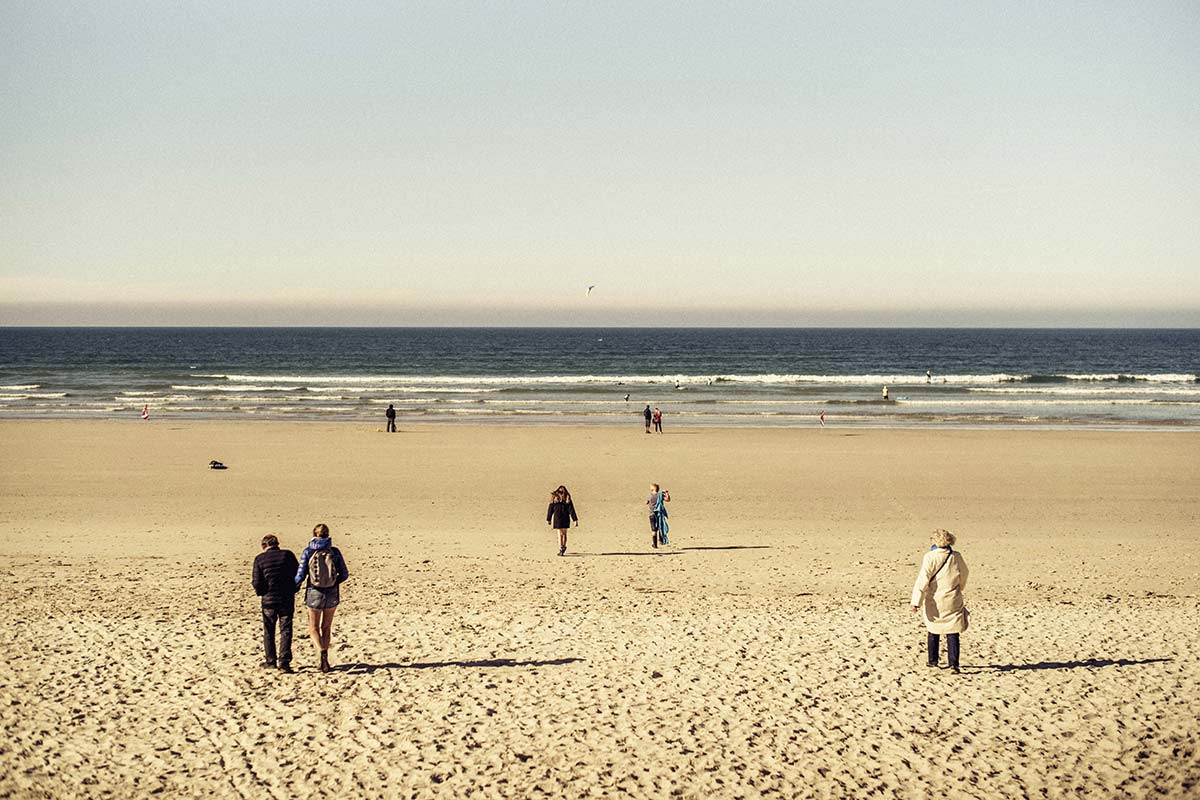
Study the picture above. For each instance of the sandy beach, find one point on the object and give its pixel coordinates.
(768, 651)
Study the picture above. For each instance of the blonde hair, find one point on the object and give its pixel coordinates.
(321, 530)
(942, 538)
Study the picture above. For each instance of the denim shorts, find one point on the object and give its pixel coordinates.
(315, 597)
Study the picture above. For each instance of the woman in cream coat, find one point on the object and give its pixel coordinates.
(938, 594)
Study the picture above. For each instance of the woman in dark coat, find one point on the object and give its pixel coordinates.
(560, 514)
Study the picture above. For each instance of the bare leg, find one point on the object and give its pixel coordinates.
(562, 539)
(327, 626)
(314, 626)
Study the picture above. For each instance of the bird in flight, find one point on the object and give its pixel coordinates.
(588, 293)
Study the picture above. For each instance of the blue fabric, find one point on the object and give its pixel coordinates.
(321, 544)
(660, 511)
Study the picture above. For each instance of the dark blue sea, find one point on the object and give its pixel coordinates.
(722, 376)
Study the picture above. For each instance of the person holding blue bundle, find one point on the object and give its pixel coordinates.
(658, 515)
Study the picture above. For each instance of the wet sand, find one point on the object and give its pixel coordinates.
(768, 650)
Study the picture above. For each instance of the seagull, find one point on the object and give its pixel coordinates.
(588, 293)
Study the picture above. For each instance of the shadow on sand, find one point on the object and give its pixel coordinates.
(367, 669)
(647, 553)
(1090, 663)
(732, 547)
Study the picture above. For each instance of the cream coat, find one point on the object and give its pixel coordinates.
(940, 598)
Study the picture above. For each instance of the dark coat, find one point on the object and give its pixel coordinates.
(559, 515)
(274, 570)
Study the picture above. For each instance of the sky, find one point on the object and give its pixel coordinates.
(908, 163)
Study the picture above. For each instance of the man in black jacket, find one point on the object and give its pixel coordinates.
(274, 581)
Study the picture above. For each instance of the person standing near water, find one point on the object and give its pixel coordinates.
(560, 514)
(272, 581)
(657, 421)
(658, 515)
(322, 564)
(648, 414)
(391, 418)
(885, 394)
(938, 595)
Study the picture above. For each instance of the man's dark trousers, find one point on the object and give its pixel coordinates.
(284, 617)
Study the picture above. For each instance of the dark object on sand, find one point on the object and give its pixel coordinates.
(216, 465)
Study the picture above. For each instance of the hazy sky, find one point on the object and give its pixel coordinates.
(838, 162)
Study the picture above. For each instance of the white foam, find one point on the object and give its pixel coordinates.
(220, 388)
(391, 382)
(399, 382)
(1092, 391)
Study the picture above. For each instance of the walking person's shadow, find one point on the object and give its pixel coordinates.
(487, 663)
(1090, 663)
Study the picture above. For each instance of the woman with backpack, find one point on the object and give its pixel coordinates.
(560, 514)
(322, 564)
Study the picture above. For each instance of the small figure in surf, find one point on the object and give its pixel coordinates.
(928, 376)
(885, 394)
(655, 504)
(560, 514)
(391, 418)
(626, 398)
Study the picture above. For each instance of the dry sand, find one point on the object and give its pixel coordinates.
(768, 651)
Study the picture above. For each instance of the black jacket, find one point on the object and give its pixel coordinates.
(275, 578)
(559, 515)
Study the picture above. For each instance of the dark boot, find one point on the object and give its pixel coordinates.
(324, 661)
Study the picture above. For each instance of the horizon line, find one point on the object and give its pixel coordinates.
(452, 326)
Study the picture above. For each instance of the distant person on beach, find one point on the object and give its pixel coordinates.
(655, 504)
(648, 415)
(928, 376)
(322, 564)
(272, 580)
(885, 394)
(938, 594)
(626, 398)
(560, 514)
(657, 421)
(391, 418)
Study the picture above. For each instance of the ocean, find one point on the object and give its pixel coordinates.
(701, 376)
